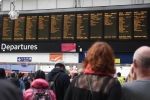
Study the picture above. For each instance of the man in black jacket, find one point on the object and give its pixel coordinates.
(14, 80)
(62, 82)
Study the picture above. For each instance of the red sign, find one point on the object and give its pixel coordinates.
(68, 47)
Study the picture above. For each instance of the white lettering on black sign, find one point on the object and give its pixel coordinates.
(5, 47)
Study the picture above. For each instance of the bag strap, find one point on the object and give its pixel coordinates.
(54, 79)
(90, 87)
(56, 76)
(104, 84)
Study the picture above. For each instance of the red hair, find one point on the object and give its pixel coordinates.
(101, 58)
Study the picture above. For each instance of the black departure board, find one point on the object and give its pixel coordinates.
(125, 25)
(56, 27)
(82, 26)
(110, 25)
(43, 27)
(31, 30)
(140, 24)
(19, 29)
(7, 29)
(69, 27)
(96, 25)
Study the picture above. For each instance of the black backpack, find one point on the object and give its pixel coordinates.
(52, 85)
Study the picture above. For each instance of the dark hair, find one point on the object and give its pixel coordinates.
(2, 73)
(59, 65)
(101, 58)
(118, 74)
(20, 75)
(39, 74)
(13, 74)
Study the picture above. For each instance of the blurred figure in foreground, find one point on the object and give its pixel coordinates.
(9, 91)
(97, 82)
(139, 89)
(3, 74)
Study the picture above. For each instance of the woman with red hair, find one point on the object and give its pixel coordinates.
(96, 82)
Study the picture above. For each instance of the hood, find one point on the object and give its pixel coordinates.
(40, 84)
(53, 73)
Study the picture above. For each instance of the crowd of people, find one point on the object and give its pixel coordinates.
(95, 81)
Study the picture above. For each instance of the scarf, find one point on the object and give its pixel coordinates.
(88, 70)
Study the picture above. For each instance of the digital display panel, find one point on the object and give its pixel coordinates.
(140, 24)
(7, 29)
(19, 29)
(82, 26)
(31, 27)
(110, 25)
(56, 27)
(69, 27)
(43, 27)
(96, 25)
(125, 25)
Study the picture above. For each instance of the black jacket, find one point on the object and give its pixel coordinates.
(62, 82)
(15, 82)
(104, 88)
(9, 92)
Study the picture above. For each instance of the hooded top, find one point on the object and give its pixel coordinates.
(9, 92)
(38, 84)
(62, 82)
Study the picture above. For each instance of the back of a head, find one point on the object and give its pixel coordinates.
(118, 74)
(39, 74)
(60, 64)
(142, 57)
(13, 74)
(2, 73)
(9, 91)
(101, 58)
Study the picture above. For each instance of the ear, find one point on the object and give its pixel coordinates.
(135, 63)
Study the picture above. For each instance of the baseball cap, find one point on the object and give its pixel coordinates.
(60, 62)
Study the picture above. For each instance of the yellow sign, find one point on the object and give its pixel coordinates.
(117, 60)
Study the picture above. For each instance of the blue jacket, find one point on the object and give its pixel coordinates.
(62, 82)
(21, 85)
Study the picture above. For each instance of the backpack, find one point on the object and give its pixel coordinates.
(41, 94)
(52, 85)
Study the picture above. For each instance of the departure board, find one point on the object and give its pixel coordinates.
(56, 27)
(125, 25)
(82, 26)
(43, 28)
(7, 29)
(140, 24)
(69, 27)
(110, 25)
(96, 25)
(19, 29)
(31, 24)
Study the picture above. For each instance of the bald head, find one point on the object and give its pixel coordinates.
(142, 57)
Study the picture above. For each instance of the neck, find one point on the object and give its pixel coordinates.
(143, 76)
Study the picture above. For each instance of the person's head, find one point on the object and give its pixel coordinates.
(20, 75)
(118, 74)
(101, 58)
(39, 74)
(141, 62)
(80, 71)
(2, 73)
(13, 74)
(60, 64)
